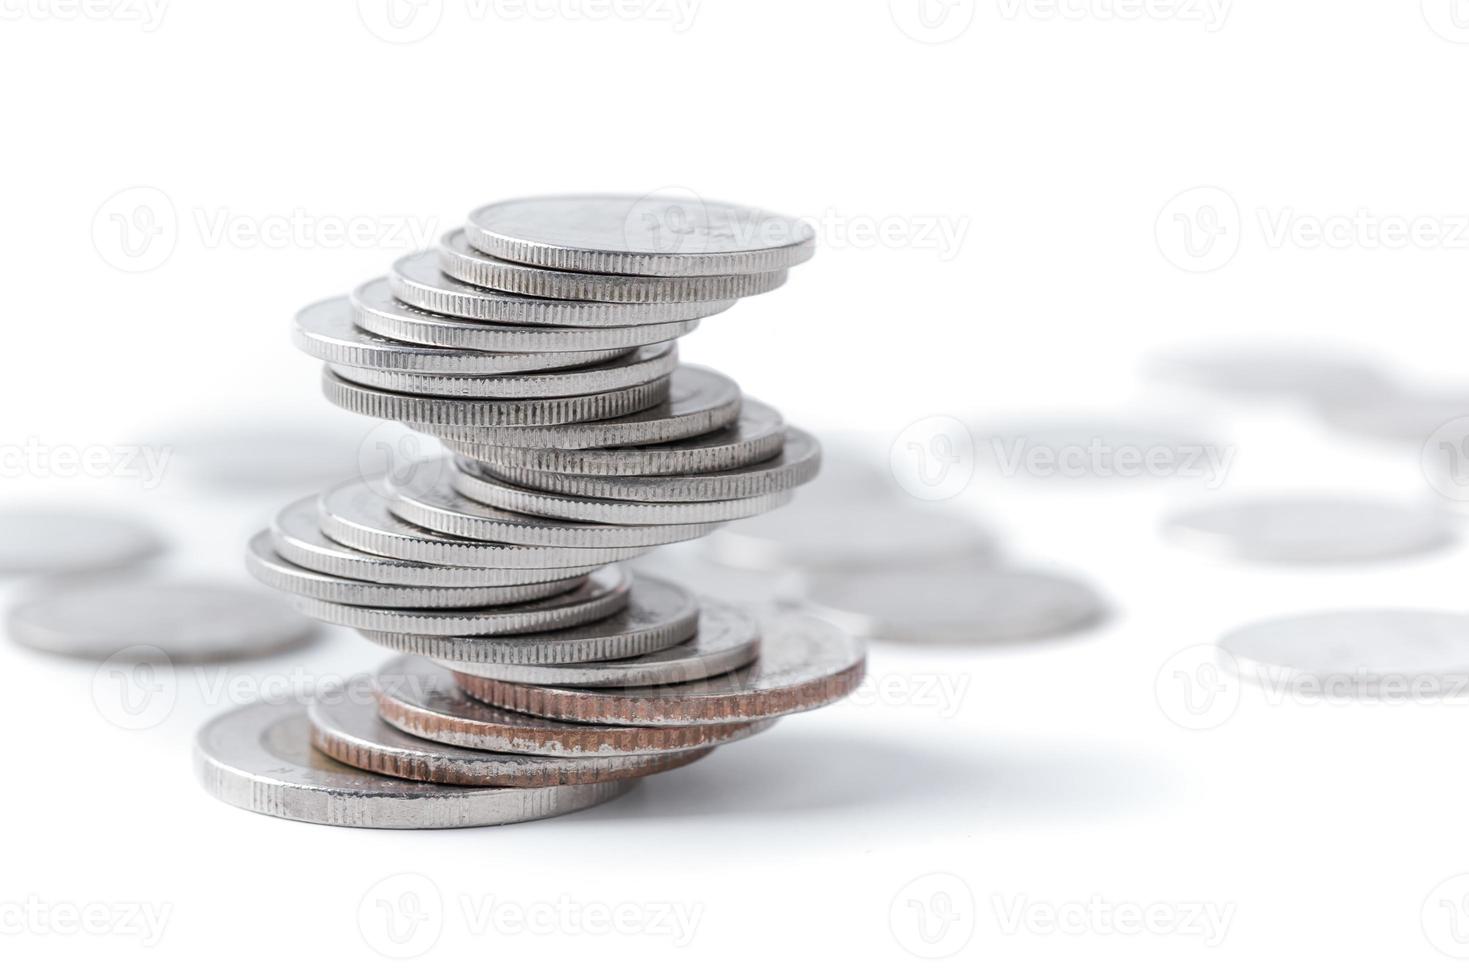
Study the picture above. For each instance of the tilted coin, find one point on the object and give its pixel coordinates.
(657, 615)
(727, 639)
(430, 410)
(797, 464)
(651, 235)
(325, 330)
(259, 758)
(954, 605)
(467, 264)
(640, 367)
(473, 482)
(54, 541)
(186, 621)
(804, 663)
(271, 569)
(347, 727)
(757, 435)
(357, 515)
(1313, 529)
(376, 310)
(417, 280)
(700, 401)
(421, 699)
(604, 593)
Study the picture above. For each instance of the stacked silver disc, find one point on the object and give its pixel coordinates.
(539, 343)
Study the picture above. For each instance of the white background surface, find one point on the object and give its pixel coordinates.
(1049, 143)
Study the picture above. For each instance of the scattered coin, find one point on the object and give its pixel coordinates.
(55, 541)
(1398, 415)
(1312, 529)
(1315, 374)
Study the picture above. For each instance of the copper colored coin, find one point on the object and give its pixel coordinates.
(804, 663)
(419, 697)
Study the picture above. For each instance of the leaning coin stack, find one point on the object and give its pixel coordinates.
(535, 676)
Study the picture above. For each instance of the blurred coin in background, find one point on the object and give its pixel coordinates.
(1315, 374)
(249, 456)
(58, 541)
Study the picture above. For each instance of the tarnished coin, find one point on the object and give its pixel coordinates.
(603, 593)
(804, 664)
(1313, 529)
(419, 410)
(652, 235)
(56, 541)
(467, 264)
(1315, 374)
(377, 310)
(325, 330)
(727, 639)
(259, 758)
(757, 435)
(954, 605)
(700, 401)
(472, 481)
(357, 515)
(186, 621)
(796, 464)
(657, 615)
(421, 698)
(1397, 653)
(417, 280)
(346, 726)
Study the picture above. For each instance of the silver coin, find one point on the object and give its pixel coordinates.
(431, 502)
(421, 699)
(1405, 416)
(1312, 529)
(954, 605)
(604, 593)
(640, 236)
(325, 330)
(376, 310)
(1315, 374)
(700, 401)
(727, 639)
(259, 758)
(1402, 653)
(479, 485)
(797, 464)
(419, 410)
(459, 260)
(235, 456)
(658, 615)
(357, 515)
(417, 280)
(640, 367)
(757, 435)
(185, 621)
(56, 541)
(262, 561)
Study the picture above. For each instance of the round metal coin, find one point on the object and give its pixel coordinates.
(53, 541)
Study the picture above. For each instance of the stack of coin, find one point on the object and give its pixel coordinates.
(539, 344)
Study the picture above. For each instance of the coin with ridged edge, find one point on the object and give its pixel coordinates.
(346, 726)
(651, 235)
(421, 699)
(418, 281)
(259, 758)
(467, 264)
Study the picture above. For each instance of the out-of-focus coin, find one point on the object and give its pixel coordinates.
(56, 541)
(377, 310)
(421, 698)
(1403, 653)
(417, 280)
(1318, 375)
(764, 593)
(1405, 416)
(467, 264)
(657, 615)
(346, 726)
(1312, 529)
(954, 605)
(652, 235)
(259, 758)
(187, 621)
(240, 457)
(804, 663)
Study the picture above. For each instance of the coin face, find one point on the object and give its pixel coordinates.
(1312, 529)
(259, 758)
(187, 621)
(54, 541)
